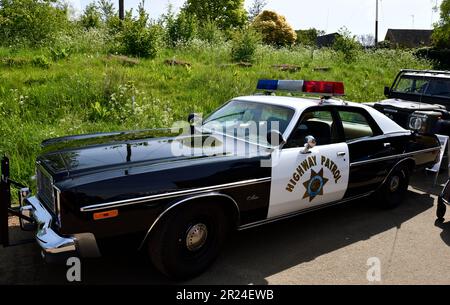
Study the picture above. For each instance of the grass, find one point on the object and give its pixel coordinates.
(89, 92)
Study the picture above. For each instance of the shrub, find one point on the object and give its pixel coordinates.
(439, 57)
(244, 45)
(275, 29)
(59, 53)
(181, 29)
(31, 22)
(41, 61)
(347, 45)
(441, 33)
(137, 38)
(91, 17)
(210, 32)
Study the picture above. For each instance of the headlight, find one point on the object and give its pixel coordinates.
(416, 123)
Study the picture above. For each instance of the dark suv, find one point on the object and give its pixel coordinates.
(419, 100)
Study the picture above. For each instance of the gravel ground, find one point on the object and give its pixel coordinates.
(331, 246)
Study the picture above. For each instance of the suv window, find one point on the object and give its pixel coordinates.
(438, 87)
(355, 125)
(415, 85)
(319, 124)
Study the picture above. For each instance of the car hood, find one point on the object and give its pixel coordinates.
(409, 105)
(88, 153)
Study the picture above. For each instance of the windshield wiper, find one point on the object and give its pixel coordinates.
(224, 116)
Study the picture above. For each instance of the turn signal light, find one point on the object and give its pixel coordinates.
(106, 214)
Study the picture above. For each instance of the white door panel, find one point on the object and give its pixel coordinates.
(301, 181)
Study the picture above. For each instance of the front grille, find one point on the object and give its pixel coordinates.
(45, 189)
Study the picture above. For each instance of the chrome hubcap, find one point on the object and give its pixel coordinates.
(196, 237)
(394, 184)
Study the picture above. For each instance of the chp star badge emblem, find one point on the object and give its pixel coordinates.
(314, 186)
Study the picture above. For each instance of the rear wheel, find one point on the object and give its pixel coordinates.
(393, 191)
(188, 240)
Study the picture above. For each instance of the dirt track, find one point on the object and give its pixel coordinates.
(326, 247)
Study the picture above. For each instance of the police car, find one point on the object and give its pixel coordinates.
(255, 160)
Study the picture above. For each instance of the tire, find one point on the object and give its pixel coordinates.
(393, 191)
(180, 248)
(441, 209)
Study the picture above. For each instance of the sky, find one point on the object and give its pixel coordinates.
(328, 15)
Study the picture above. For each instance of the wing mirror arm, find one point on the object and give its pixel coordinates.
(194, 120)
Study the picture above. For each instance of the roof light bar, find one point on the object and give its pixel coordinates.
(324, 88)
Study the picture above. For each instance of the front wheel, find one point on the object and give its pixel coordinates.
(393, 191)
(188, 240)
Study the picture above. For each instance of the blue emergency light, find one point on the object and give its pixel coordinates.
(324, 88)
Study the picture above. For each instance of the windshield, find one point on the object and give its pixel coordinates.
(249, 120)
(438, 87)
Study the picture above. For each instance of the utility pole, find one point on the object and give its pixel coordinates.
(121, 10)
(376, 24)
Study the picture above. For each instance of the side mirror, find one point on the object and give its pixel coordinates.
(194, 119)
(387, 91)
(310, 143)
(275, 138)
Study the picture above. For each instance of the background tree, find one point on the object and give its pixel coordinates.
(275, 29)
(256, 8)
(227, 14)
(347, 45)
(31, 22)
(91, 17)
(367, 40)
(441, 34)
(106, 8)
(308, 37)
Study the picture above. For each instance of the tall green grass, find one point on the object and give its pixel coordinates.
(90, 92)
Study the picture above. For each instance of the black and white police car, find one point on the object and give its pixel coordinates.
(179, 195)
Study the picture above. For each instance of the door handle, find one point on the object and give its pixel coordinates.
(341, 153)
(387, 145)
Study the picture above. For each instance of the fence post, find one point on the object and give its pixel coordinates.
(5, 201)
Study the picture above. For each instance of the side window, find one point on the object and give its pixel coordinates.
(355, 125)
(318, 124)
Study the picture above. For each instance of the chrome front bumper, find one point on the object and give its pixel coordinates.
(53, 244)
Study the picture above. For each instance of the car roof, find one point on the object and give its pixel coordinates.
(300, 104)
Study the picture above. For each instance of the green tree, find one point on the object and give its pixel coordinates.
(347, 45)
(179, 29)
(244, 45)
(256, 8)
(308, 37)
(441, 34)
(227, 14)
(106, 8)
(136, 37)
(31, 22)
(275, 29)
(91, 17)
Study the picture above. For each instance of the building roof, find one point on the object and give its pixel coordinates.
(327, 40)
(408, 38)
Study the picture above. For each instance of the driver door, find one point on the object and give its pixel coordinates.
(306, 179)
